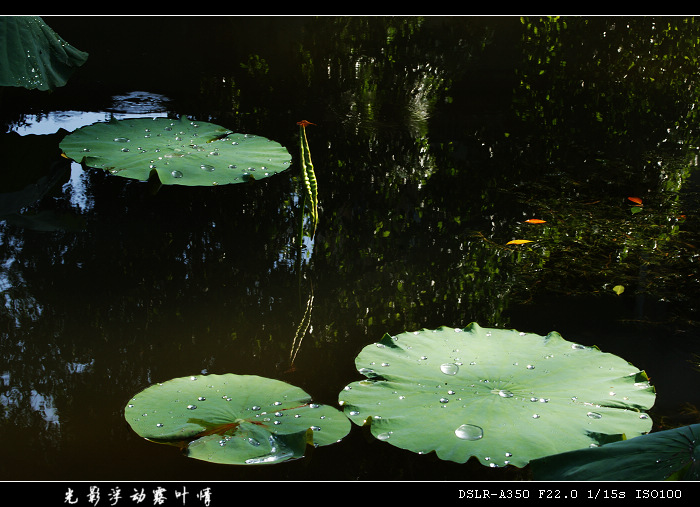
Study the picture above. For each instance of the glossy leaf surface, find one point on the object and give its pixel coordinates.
(180, 152)
(234, 419)
(502, 396)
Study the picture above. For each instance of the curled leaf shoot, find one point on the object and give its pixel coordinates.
(307, 172)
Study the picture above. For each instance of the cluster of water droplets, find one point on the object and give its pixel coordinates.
(273, 415)
(186, 144)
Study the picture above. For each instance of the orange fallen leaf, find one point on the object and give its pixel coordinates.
(535, 221)
(518, 242)
(635, 200)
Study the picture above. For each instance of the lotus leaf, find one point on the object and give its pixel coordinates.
(664, 455)
(33, 56)
(234, 419)
(180, 152)
(502, 396)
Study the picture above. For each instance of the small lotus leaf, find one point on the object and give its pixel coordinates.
(503, 396)
(180, 152)
(234, 419)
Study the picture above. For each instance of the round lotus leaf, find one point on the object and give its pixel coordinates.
(502, 396)
(234, 419)
(180, 152)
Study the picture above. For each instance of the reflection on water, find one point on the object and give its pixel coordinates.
(434, 142)
(130, 105)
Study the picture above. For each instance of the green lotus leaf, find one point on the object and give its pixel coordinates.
(234, 419)
(33, 56)
(180, 152)
(672, 454)
(502, 396)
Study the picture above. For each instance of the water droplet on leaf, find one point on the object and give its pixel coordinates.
(469, 432)
(449, 368)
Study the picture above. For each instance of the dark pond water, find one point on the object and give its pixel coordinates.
(434, 140)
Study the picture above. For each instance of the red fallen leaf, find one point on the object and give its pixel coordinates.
(635, 200)
(535, 221)
(518, 242)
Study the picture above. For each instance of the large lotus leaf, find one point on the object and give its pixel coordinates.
(234, 419)
(180, 152)
(500, 395)
(671, 454)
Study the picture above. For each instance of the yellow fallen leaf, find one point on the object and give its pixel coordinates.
(535, 221)
(518, 242)
(618, 289)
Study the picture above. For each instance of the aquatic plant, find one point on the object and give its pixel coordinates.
(664, 455)
(502, 396)
(308, 174)
(234, 419)
(34, 56)
(176, 152)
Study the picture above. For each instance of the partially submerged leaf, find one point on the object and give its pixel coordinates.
(180, 152)
(500, 395)
(234, 419)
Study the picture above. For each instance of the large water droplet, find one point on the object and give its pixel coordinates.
(449, 368)
(278, 452)
(594, 415)
(206, 167)
(469, 432)
(176, 174)
(504, 393)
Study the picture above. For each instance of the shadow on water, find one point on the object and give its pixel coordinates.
(435, 139)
